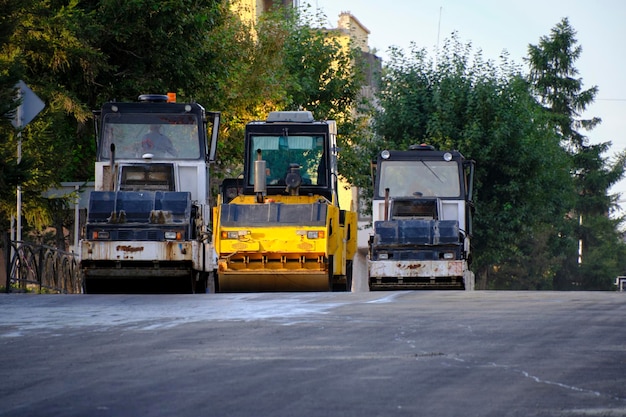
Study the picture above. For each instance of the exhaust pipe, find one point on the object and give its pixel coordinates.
(386, 204)
(260, 178)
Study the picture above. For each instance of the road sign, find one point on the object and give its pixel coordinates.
(30, 107)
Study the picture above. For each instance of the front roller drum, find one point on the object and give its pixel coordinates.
(273, 281)
(274, 272)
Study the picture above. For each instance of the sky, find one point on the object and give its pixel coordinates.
(494, 26)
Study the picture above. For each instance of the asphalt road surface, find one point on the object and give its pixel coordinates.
(314, 354)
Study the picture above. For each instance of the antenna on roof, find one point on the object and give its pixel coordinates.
(438, 32)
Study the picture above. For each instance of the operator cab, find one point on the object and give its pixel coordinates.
(159, 136)
(422, 183)
(291, 154)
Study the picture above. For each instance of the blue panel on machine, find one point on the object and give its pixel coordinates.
(137, 205)
(417, 232)
(387, 232)
(101, 205)
(178, 203)
(404, 231)
(448, 231)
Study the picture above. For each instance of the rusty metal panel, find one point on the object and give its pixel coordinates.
(137, 251)
(204, 257)
(416, 268)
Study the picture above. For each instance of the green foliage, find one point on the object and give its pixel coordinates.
(44, 49)
(151, 46)
(12, 174)
(325, 78)
(552, 74)
(282, 63)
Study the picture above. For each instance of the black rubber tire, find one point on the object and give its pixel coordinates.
(200, 282)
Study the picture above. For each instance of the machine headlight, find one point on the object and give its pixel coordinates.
(234, 234)
(230, 235)
(173, 235)
(315, 234)
(447, 156)
(383, 256)
(100, 235)
(385, 154)
(448, 255)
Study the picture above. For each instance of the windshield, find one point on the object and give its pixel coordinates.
(163, 136)
(419, 178)
(279, 152)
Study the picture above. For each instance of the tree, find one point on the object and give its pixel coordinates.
(553, 77)
(283, 62)
(34, 41)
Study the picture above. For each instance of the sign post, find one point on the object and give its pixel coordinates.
(30, 107)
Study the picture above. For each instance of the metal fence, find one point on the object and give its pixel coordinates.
(41, 268)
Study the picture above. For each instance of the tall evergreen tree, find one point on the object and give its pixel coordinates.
(587, 227)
